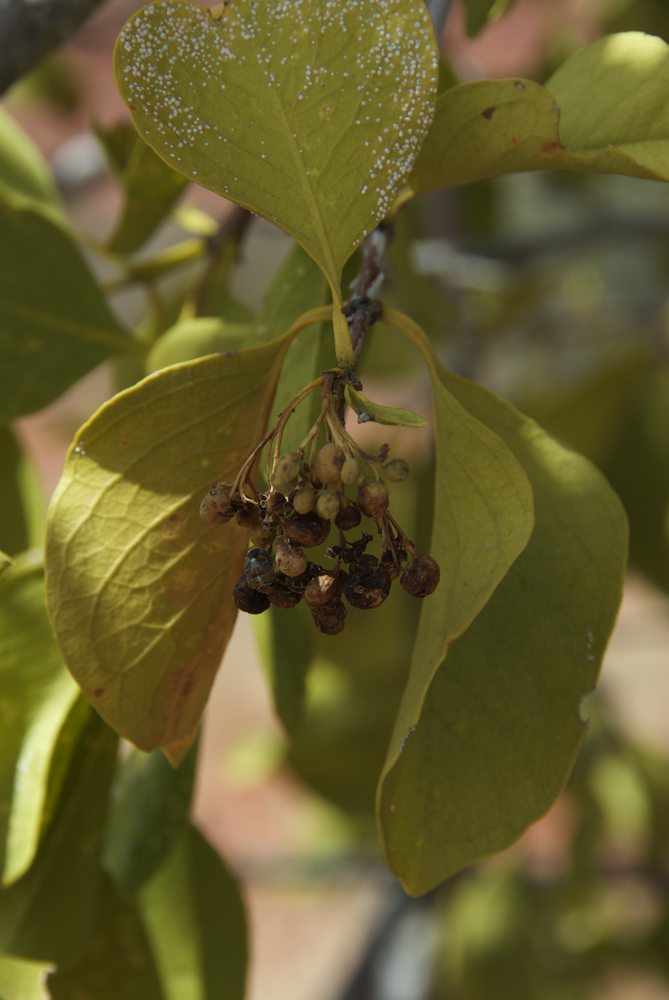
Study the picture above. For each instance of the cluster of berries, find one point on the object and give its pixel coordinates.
(305, 502)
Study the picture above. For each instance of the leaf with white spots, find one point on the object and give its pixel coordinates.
(139, 589)
(310, 113)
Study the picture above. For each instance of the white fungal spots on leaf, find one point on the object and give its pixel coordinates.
(340, 94)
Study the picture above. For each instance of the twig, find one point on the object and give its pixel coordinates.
(363, 308)
(29, 31)
(439, 10)
(225, 242)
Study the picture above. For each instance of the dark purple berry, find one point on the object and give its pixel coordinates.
(348, 518)
(324, 588)
(368, 584)
(258, 569)
(282, 596)
(330, 619)
(307, 530)
(249, 600)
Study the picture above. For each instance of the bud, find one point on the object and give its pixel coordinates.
(286, 469)
(421, 577)
(327, 504)
(328, 463)
(372, 498)
(290, 560)
(350, 471)
(304, 499)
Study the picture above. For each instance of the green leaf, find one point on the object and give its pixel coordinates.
(478, 13)
(21, 499)
(499, 728)
(118, 962)
(195, 921)
(150, 807)
(21, 980)
(54, 322)
(66, 867)
(197, 337)
(150, 189)
(38, 696)
(392, 416)
(297, 287)
(25, 179)
(138, 587)
(5, 562)
(309, 115)
(606, 110)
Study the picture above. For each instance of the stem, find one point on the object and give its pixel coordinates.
(342, 336)
(146, 271)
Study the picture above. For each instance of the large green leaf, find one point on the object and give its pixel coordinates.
(483, 519)
(47, 915)
(119, 960)
(606, 110)
(150, 807)
(138, 587)
(150, 187)
(310, 114)
(499, 728)
(25, 179)
(297, 287)
(194, 917)
(38, 696)
(54, 322)
(22, 503)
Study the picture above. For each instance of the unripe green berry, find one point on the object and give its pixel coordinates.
(396, 471)
(372, 498)
(290, 560)
(304, 499)
(327, 505)
(328, 463)
(286, 469)
(350, 471)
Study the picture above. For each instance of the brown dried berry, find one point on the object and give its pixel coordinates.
(304, 499)
(274, 503)
(368, 584)
(263, 537)
(216, 507)
(350, 471)
(421, 577)
(396, 471)
(290, 560)
(247, 599)
(372, 498)
(282, 596)
(247, 515)
(307, 530)
(327, 504)
(330, 619)
(328, 463)
(324, 588)
(258, 569)
(348, 518)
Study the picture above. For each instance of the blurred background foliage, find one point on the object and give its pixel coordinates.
(553, 290)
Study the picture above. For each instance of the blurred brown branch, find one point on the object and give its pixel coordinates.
(29, 31)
